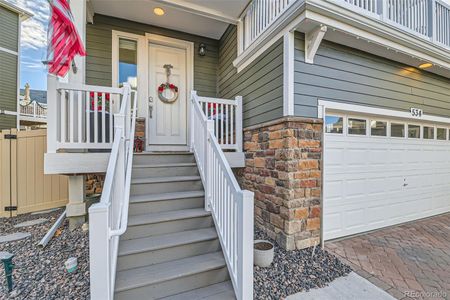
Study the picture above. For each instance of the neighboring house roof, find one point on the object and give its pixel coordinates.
(36, 95)
(24, 14)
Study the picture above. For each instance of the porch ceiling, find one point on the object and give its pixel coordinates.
(208, 18)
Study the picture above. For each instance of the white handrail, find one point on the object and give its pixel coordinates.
(109, 217)
(231, 207)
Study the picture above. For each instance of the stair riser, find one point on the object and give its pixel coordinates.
(162, 158)
(166, 187)
(163, 255)
(175, 286)
(164, 172)
(140, 231)
(166, 205)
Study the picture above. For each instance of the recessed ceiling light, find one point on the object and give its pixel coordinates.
(158, 11)
(425, 65)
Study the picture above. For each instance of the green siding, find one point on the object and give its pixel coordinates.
(7, 122)
(8, 82)
(260, 84)
(9, 32)
(99, 50)
(343, 74)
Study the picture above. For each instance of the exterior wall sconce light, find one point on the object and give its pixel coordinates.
(202, 49)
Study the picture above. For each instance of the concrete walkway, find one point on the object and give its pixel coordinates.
(349, 287)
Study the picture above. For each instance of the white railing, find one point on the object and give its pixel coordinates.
(442, 23)
(231, 207)
(82, 116)
(108, 219)
(34, 110)
(226, 115)
(429, 19)
(367, 5)
(411, 14)
(258, 16)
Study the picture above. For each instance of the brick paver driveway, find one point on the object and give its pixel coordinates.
(408, 261)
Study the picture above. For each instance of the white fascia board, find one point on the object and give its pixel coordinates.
(288, 74)
(325, 105)
(199, 10)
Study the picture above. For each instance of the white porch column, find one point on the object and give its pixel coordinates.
(76, 208)
(78, 8)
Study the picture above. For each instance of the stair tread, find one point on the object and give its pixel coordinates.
(166, 216)
(218, 291)
(166, 196)
(142, 276)
(164, 165)
(127, 247)
(164, 179)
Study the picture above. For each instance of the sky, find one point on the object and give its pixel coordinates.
(34, 43)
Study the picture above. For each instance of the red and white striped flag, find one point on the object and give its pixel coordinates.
(64, 42)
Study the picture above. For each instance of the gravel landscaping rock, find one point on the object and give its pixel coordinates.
(295, 271)
(40, 273)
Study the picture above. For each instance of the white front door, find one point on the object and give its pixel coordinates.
(167, 124)
(380, 172)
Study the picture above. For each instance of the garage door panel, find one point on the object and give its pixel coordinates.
(372, 182)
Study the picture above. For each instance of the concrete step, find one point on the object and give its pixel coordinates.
(151, 203)
(162, 248)
(158, 185)
(218, 291)
(163, 158)
(171, 278)
(164, 170)
(167, 222)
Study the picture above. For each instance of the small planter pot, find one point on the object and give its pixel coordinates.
(263, 253)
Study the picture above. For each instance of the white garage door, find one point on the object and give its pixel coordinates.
(380, 172)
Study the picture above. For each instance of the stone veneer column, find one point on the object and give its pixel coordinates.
(283, 168)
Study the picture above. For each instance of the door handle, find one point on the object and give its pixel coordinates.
(150, 111)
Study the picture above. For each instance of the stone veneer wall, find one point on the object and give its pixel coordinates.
(283, 169)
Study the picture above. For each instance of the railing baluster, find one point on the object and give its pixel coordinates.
(80, 116)
(71, 116)
(63, 116)
(103, 118)
(95, 125)
(88, 118)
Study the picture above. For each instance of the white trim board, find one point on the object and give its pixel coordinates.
(369, 110)
(288, 73)
(10, 51)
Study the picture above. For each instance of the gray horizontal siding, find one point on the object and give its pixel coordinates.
(8, 81)
(99, 51)
(9, 32)
(343, 74)
(260, 84)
